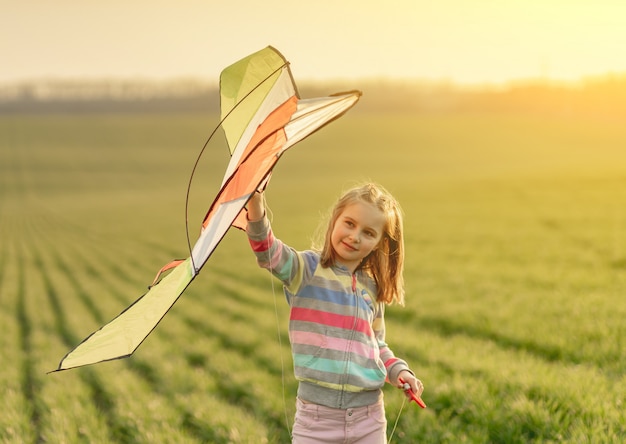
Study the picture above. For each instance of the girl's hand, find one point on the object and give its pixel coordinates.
(256, 207)
(416, 385)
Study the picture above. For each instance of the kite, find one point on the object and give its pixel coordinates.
(262, 116)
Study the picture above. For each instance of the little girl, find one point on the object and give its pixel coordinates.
(336, 325)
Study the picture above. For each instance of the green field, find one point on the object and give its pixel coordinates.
(515, 276)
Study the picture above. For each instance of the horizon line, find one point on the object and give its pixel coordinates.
(197, 79)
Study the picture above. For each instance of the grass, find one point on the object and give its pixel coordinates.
(516, 265)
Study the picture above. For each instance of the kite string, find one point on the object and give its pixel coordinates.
(270, 216)
(397, 420)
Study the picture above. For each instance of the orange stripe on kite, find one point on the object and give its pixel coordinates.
(260, 153)
(277, 119)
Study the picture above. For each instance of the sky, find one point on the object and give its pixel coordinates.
(462, 41)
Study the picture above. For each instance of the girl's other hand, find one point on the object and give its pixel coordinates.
(416, 385)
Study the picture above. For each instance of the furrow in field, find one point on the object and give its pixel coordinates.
(102, 399)
(241, 300)
(4, 236)
(243, 348)
(165, 347)
(587, 220)
(174, 369)
(19, 421)
(31, 385)
(91, 252)
(448, 328)
(122, 254)
(20, 298)
(4, 259)
(240, 335)
(244, 377)
(148, 371)
(466, 377)
(192, 387)
(549, 351)
(98, 273)
(237, 388)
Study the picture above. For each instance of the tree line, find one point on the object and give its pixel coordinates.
(604, 95)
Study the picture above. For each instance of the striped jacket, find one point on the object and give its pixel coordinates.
(336, 326)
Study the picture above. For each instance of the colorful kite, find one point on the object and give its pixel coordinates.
(262, 116)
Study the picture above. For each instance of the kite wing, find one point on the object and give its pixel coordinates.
(262, 117)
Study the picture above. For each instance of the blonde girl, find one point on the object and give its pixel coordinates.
(337, 297)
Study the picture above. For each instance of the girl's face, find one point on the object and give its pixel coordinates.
(356, 233)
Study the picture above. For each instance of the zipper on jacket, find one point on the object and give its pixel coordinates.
(351, 340)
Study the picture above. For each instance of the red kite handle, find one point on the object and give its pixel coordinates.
(414, 397)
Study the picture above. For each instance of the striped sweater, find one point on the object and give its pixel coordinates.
(336, 326)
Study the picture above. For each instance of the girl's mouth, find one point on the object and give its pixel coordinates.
(348, 246)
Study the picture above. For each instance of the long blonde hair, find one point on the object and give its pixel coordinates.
(386, 263)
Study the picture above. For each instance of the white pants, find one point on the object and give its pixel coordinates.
(316, 424)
